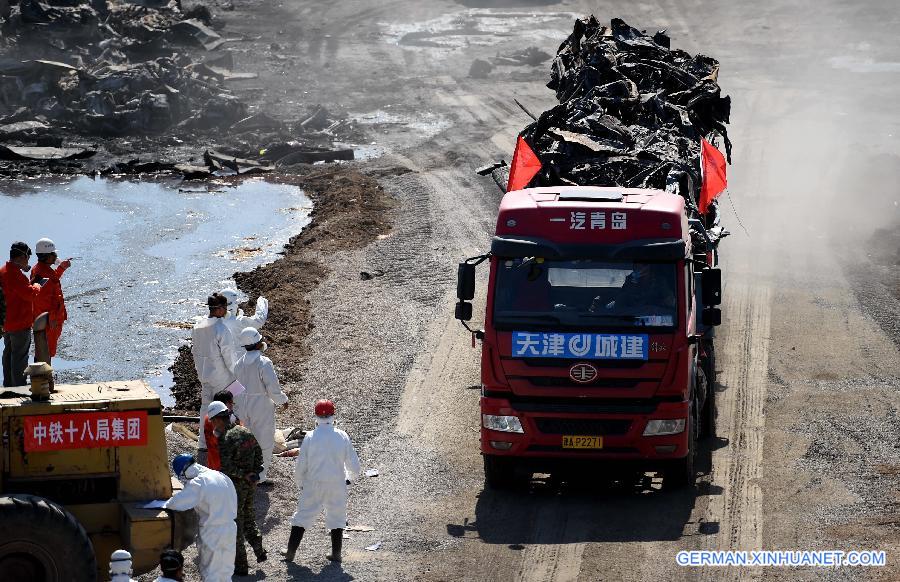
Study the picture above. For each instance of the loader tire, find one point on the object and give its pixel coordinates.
(41, 541)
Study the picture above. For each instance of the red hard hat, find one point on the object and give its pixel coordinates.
(324, 408)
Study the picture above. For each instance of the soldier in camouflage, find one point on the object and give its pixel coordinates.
(242, 461)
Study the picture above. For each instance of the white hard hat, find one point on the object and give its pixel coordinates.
(249, 336)
(231, 295)
(45, 246)
(216, 408)
(120, 562)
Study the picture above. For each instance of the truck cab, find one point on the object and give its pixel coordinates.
(596, 346)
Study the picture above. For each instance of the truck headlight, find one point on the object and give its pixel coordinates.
(502, 423)
(662, 427)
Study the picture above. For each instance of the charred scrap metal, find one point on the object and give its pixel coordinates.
(114, 69)
(631, 113)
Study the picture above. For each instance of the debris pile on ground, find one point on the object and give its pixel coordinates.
(186, 384)
(139, 80)
(631, 112)
(73, 71)
(531, 56)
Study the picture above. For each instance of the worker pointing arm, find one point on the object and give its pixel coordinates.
(50, 299)
(235, 318)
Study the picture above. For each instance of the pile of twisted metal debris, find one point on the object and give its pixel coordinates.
(122, 77)
(631, 112)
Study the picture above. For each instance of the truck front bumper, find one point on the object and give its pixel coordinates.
(623, 440)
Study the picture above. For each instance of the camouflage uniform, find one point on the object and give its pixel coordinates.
(241, 456)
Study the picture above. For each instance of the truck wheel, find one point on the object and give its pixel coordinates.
(709, 368)
(500, 473)
(43, 542)
(681, 473)
(707, 417)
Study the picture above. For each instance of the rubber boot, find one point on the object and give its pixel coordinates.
(293, 543)
(258, 550)
(337, 539)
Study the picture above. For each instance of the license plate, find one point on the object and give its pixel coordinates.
(582, 442)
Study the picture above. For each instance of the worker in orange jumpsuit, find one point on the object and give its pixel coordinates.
(50, 299)
(19, 295)
(213, 461)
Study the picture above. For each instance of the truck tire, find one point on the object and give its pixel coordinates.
(500, 473)
(706, 420)
(681, 473)
(43, 542)
(709, 407)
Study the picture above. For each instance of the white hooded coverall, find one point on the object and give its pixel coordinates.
(212, 494)
(325, 462)
(214, 359)
(256, 405)
(236, 322)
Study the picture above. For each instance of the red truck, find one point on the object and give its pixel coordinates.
(597, 347)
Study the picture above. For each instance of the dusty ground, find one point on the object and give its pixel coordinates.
(806, 456)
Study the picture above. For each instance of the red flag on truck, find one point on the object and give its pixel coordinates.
(712, 166)
(524, 166)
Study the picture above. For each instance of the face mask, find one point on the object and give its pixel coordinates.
(191, 472)
(26, 268)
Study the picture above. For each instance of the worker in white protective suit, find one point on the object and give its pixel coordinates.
(213, 495)
(326, 465)
(235, 318)
(215, 354)
(255, 406)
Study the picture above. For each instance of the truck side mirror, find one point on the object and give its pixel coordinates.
(711, 316)
(464, 311)
(465, 283)
(711, 285)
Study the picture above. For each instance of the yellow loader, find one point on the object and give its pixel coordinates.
(79, 463)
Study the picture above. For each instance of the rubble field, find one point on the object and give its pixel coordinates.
(116, 87)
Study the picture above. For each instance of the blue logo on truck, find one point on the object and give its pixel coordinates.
(573, 346)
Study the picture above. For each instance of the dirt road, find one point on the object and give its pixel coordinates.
(807, 409)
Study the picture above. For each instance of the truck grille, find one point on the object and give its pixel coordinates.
(562, 382)
(582, 426)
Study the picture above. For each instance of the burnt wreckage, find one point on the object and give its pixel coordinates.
(632, 112)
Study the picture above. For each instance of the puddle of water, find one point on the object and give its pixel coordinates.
(63, 365)
(161, 381)
(505, 3)
(481, 27)
(146, 253)
(863, 65)
(424, 125)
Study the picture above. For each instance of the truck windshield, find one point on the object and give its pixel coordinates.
(583, 293)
